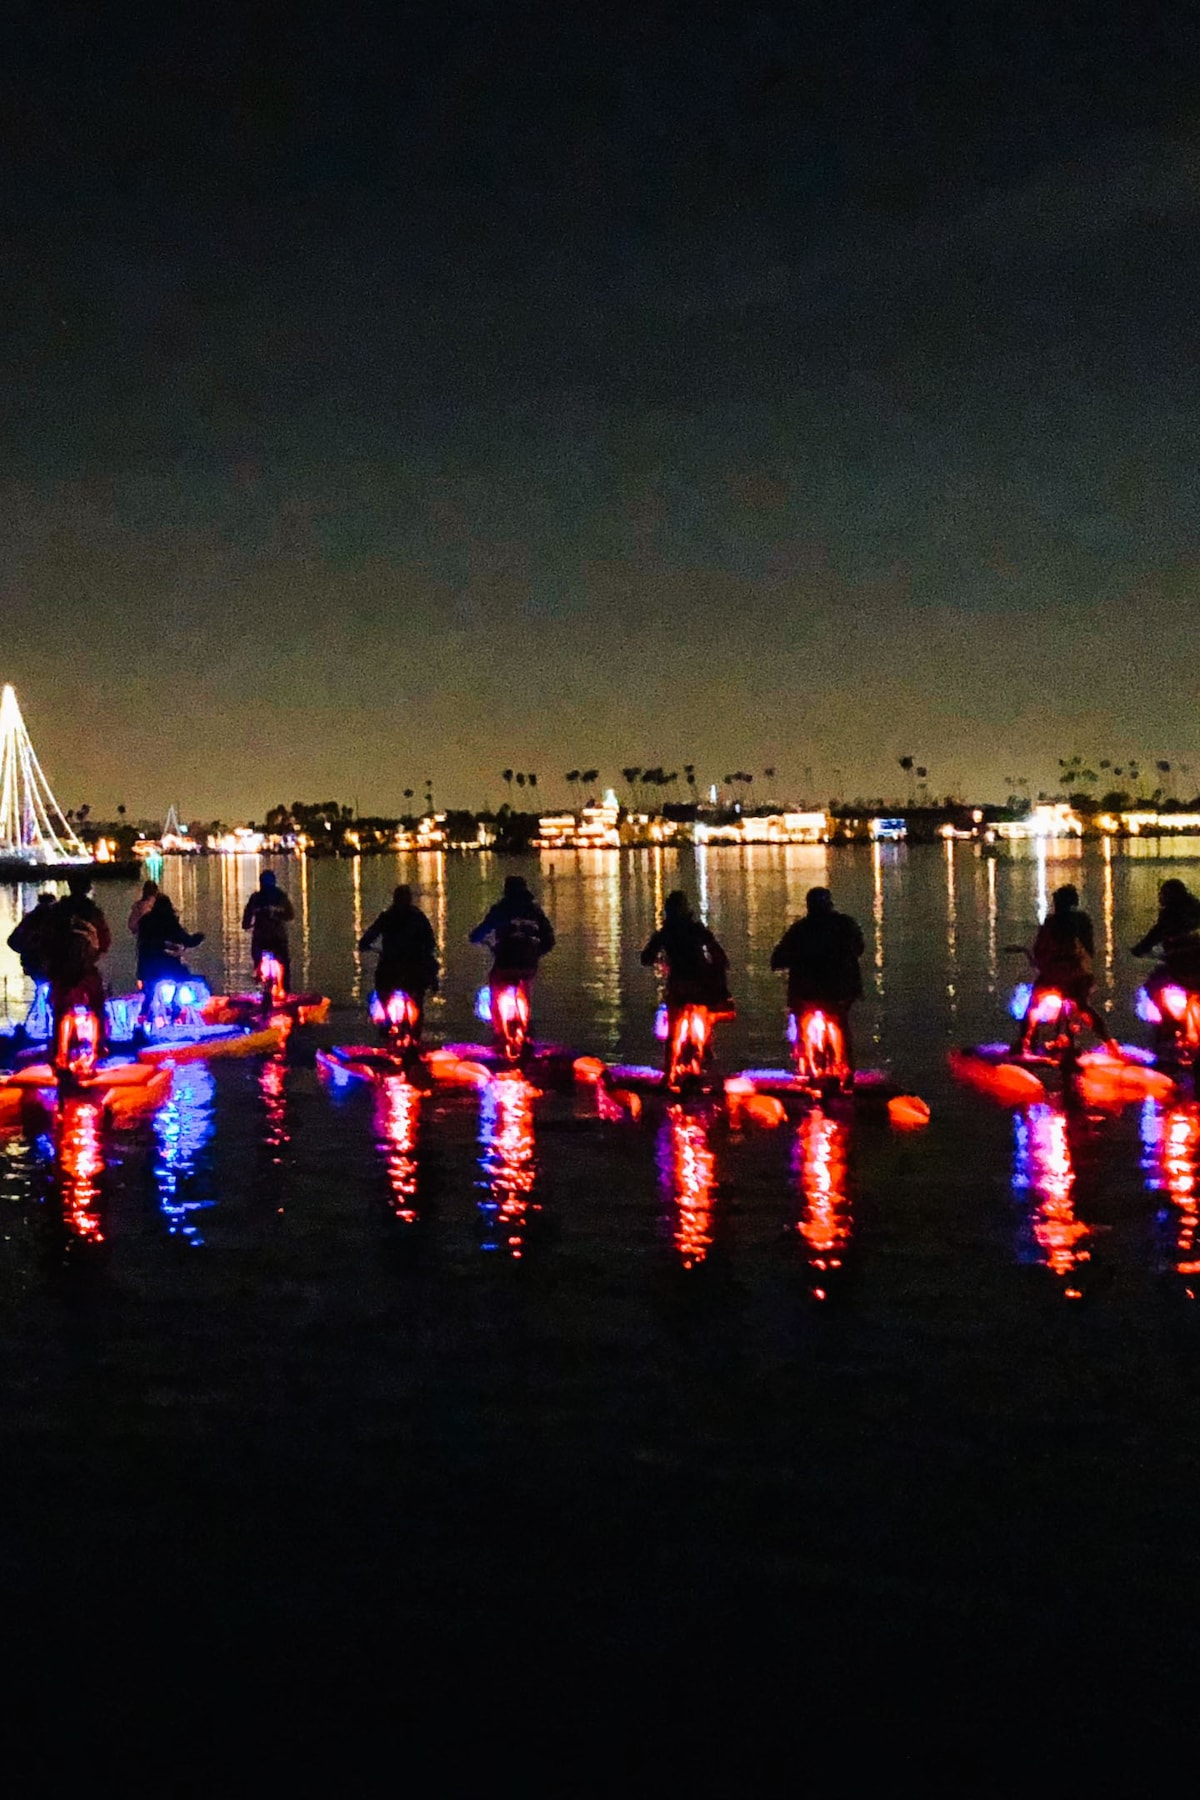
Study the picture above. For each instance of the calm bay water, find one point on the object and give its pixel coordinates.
(937, 922)
(491, 1392)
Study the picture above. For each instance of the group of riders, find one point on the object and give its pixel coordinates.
(61, 942)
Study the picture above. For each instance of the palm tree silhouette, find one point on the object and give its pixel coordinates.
(908, 763)
(588, 776)
(520, 781)
(506, 776)
(572, 779)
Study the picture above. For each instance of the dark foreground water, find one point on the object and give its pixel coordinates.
(489, 1427)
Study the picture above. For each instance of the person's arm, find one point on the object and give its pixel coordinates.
(484, 928)
(135, 917)
(855, 938)
(16, 937)
(367, 940)
(248, 914)
(716, 952)
(287, 911)
(103, 934)
(546, 938)
(1087, 935)
(1152, 937)
(781, 955)
(653, 951)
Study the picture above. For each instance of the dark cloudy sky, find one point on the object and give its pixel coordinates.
(391, 391)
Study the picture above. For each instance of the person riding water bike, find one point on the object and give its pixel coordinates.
(821, 953)
(697, 968)
(161, 942)
(30, 938)
(1062, 958)
(521, 934)
(1175, 934)
(408, 961)
(267, 916)
(77, 937)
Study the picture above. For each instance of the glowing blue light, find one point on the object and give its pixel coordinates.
(1018, 1006)
(1146, 1009)
(185, 995)
(793, 1029)
(164, 993)
(483, 1005)
(37, 1020)
(375, 1010)
(661, 1025)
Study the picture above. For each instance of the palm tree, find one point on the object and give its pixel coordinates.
(506, 775)
(520, 781)
(532, 780)
(572, 779)
(908, 763)
(630, 776)
(588, 776)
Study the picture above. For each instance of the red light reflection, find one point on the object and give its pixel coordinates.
(508, 1162)
(687, 1174)
(1045, 1168)
(81, 1165)
(271, 1084)
(819, 1157)
(398, 1119)
(1173, 1137)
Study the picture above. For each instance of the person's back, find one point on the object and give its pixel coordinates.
(267, 915)
(696, 964)
(1176, 931)
(31, 938)
(78, 936)
(162, 939)
(407, 946)
(821, 953)
(1064, 947)
(520, 930)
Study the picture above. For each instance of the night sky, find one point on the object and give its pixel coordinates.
(394, 391)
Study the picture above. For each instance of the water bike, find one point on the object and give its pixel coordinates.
(270, 1000)
(175, 1023)
(503, 1003)
(686, 1075)
(1050, 1050)
(399, 1055)
(1172, 1010)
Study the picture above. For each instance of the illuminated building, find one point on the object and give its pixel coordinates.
(773, 828)
(595, 828)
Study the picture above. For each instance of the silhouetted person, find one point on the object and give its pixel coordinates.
(162, 940)
(1062, 958)
(267, 916)
(77, 938)
(822, 953)
(696, 964)
(142, 905)
(520, 930)
(1175, 934)
(408, 960)
(30, 938)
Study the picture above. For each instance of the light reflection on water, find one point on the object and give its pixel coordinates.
(1171, 1149)
(183, 1126)
(397, 1126)
(687, 1173)
(508, 1164)
(1043, 1181)
(820, 1153)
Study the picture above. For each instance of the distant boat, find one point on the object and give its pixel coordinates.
(36, 841)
